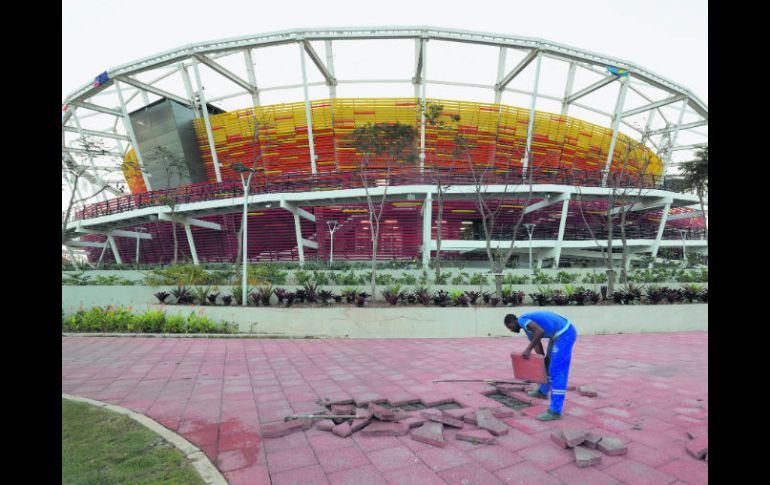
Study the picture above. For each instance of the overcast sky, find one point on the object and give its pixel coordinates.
(670, 38)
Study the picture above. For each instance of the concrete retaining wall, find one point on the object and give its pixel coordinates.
(412, 321)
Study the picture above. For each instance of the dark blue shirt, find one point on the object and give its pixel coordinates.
(551, 322)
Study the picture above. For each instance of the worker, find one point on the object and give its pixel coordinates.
(561, 335)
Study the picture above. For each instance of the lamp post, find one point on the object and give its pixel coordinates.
(683, 233)
(140, 229)
(239, 167)
(530, 228)
(332, 228)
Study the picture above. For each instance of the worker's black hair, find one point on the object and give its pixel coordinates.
(510, 318)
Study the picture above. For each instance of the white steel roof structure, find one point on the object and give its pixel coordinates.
(666, 116)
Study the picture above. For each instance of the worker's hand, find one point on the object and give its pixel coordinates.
(525, 354)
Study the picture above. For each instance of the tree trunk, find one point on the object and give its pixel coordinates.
(176, 246)
(705, 220)
(439, 215)
(610, 270)
(374, 262)
(498, 268)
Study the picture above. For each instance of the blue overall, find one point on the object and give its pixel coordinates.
(562, 335)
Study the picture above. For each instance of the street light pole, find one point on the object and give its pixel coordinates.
(332, 228)
(683, 233)
(246, 184)
(138, 238)
(530, 228)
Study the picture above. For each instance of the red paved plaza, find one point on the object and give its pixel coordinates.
(652, 388)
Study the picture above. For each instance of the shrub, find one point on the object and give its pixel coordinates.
(201, 294)
(479, 279)
(407, 279)
(441, 279)
(183, 295)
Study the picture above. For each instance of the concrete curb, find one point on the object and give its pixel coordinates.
(207, 471)
(200, 335)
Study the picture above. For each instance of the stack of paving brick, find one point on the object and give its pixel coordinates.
(583, 443)
(427, 426)
(698, 446)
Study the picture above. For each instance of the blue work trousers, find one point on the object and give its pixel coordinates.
(559, 356)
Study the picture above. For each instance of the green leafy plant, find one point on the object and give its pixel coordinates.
(393, 294)
(407, 279)
(479, 279)
(442, 278)
(183, 295)
(460, 279)
(691, 292)
(201, 293)
(77, 279)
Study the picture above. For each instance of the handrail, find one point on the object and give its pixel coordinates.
(304, 182)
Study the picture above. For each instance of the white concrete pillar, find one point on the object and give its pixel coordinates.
(427, 223)
(191, 243)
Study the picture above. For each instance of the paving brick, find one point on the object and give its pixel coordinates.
(699, 447)
(469, 473)
(547, 456)
(385, 428)
(282, 428)
(363, 399)
(591, 440)
(359, 424)
(381, 413)
(309, 475)
(393, 458)
(414, 474)
(687, 470)
(413, 422)
(399, 414)
(526, 474)
(587, 391)
(325, 425)
(439, 417)
(362, 475)
(341, 459)
(431, 433)
(470, 418)
(289, 459)
(695, 432)
(342, 430)
(569, 474)
(363, 413)
(531, 369)
(585, 457)
(459, 412)
(343, 409)
(477, 436)
(557, 436)
(574, 437)
(254, 475)
(486, 420)
(612, 446)
(633, 473)
(433, 401)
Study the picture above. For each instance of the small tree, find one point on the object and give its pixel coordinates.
(395, 142)
(171, 167)
(491, 208)
(696, 179)
(435, 117)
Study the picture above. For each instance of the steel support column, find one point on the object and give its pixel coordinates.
(252, 77)
(205, 110)
(624, 82)
(191, 243)
(308, 117)
(330, 67)
(531, 123)
(670, 149)
(114, 248)
(130, 130)
(427, 225)
(424, 102)
(560, 238)
(188, 88)
(568, 88)
(500, 74)
(298, 231)
(661, 226)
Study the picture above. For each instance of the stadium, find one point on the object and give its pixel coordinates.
(508, 141)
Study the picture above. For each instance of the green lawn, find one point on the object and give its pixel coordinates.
(101, 447)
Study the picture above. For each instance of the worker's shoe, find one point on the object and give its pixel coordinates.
(536, 393)
(548, 416)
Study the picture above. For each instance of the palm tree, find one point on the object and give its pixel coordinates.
(696, 179)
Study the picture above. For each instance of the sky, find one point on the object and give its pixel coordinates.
(665, 37)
